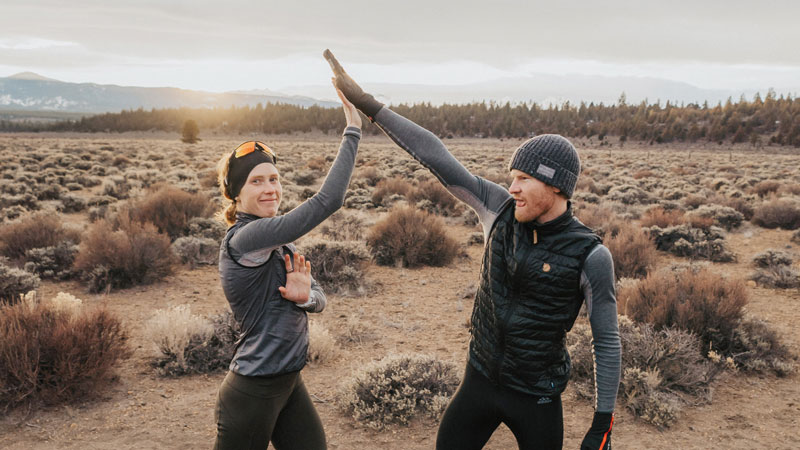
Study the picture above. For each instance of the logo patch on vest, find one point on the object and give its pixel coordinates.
(546, 171)
(545, 267)
(544, 401)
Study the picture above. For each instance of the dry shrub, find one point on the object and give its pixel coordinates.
(663, 370)
(722, 216)
(206, 227)
(442, 201)
(370, 174)
(757, 348)
(186, 343)
(629, 194)
(643, 174)
(14, 283)
(305, 177)
(343, 226)
(170, 209)
(777, 276)
(322, 346)
(356, 331)
(662, 218)
(196, 251)
(795, 237)
(601, 219)
(772, 257)
(764, 188)
(633, 251)
(318, 164)
(688, 241)
(695, 201)
(397, 388)
(411, 238)
(337, 265)
(740, 204)
(778, 213)
(36, 231)
(52, 353)
(52, 262)
(389, 187)
(130, 254)
(696, 300)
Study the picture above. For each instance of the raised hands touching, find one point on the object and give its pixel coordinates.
(298, 280)
(363, 101)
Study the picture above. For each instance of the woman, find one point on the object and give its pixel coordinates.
(270, 290)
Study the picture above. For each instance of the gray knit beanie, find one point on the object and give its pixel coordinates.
(551, 159)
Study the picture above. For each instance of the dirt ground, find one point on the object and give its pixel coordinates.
(414, 311)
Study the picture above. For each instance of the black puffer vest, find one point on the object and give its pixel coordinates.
(529, 297)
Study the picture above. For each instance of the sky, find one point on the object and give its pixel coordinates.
(232, 45)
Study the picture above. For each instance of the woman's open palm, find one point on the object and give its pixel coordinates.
(298, 280)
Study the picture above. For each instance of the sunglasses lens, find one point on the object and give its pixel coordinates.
(245, 149)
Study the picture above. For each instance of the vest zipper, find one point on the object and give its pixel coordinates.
(535, 237)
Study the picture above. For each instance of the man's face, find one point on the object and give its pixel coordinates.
(261, 194)
(533, 198)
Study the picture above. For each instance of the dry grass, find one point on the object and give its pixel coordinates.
(322, 347)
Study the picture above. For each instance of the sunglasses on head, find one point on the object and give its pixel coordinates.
(251, 146)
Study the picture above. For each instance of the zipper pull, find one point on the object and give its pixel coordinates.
(535, 237)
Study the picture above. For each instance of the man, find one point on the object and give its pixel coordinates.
(540, 264)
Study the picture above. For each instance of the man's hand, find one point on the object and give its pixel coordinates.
(599, 435)
(298, 280)
(363, 101)
(350, 111)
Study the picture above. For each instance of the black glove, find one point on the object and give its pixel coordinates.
(599, 435)
(352, 91)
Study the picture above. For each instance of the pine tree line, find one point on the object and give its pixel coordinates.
(772, 119)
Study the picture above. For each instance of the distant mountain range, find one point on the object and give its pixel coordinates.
(28, 91)
(545, 89)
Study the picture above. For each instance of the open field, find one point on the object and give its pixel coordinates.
(402, 310)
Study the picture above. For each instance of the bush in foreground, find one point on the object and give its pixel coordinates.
(397, 388)
(662, 370)
(186, 343)
(55, 352)
(411, 238)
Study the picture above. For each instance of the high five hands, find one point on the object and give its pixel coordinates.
(298, 280)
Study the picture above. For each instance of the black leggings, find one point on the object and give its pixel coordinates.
(252, 411)
(479, 407)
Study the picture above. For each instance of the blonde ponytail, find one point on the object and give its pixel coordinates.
(227, 215)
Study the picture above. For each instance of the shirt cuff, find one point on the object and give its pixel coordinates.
(307, 305)
(352, 131)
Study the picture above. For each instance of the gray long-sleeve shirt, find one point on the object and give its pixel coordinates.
(487, 199)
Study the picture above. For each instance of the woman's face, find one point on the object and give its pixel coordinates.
(261, 193)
